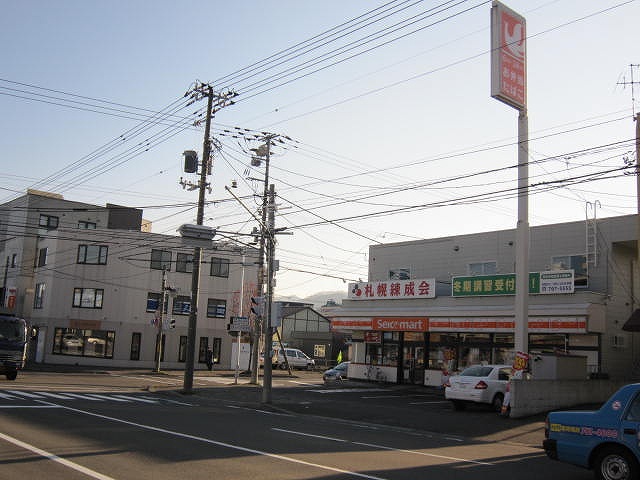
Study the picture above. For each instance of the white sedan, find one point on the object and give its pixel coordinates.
(478, 384)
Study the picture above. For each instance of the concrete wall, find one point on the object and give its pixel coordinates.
(529, 397)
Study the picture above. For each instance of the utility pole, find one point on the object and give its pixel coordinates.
(160, 319)
(636, 118)
(263, 151)
(268, 335)
(221, 101)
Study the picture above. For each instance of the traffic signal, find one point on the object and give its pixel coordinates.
(190, 161)
(257, 306)
(172, 323)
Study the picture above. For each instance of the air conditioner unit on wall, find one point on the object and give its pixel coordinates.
(618, 341)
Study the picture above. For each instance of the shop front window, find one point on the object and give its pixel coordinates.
(83, 343)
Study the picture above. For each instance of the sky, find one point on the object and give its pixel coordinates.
(385, 129)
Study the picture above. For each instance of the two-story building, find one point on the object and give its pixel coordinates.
(100, 290)
(444, 303)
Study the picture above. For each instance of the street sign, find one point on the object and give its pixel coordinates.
(239, 324)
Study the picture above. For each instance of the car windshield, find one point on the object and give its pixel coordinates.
(477, 371)
(11, 330)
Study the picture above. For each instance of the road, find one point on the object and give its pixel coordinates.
(132, 425)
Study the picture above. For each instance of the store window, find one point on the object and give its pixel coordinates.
(202, 349)
(219, 267)
(49, 222)
(483, 268)
(577, 263)
(385, 350)
(38, 296)
(184, 263)
(92, 254)
(160, 259)
(182, 349)
(42, 257)
(216, 308)
(87, 297)
(83, 343)
(154, 300)
(136, 338)
(217, 347)
(86, 225)
(181, 305)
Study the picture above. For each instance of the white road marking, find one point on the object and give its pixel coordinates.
(347, 390)
(384, 447)
(267, 412)
(220, 444)
(293, 432)
(55, 458)
(55, 395)
(415, 452)
(7, 396)
(25, 394)
(429, 403)
(83, 397)
(107, 397)
(136, 399)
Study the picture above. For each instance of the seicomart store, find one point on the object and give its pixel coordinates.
(439, 305)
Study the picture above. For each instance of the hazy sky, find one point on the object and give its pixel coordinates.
(388, 129)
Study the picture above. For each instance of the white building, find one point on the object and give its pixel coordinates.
(90, 282)
(443, 303)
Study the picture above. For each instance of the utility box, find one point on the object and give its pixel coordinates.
(549, 366)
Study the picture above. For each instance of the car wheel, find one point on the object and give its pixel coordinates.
(11, 375)
(496, 403)
(282, 366)
(615, 463)
(459, 405)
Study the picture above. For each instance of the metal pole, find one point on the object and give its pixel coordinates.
(521, 339)
(260, 283)
(241, 314)
(197, 252)
(268, 335)
(161, 320)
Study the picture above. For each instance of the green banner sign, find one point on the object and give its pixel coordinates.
(552, 282)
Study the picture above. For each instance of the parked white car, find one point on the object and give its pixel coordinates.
(478, 384)
(296, 358)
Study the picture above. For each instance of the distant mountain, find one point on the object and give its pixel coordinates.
(317, 299)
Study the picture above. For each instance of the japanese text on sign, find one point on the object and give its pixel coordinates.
(552, 282)
(393, 289)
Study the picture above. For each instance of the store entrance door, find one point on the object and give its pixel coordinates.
(413, 364)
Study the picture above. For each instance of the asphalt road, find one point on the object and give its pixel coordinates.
(133, 425)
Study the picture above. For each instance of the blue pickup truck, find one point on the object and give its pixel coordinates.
(606, 440)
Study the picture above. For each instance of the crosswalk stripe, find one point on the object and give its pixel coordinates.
(83, 397)
(54, 395)
(25, 394)
(136, 399)
(96, 397)
(106, 397)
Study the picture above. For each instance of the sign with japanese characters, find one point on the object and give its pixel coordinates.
(508, 56)
(542, 283)
(393, 289)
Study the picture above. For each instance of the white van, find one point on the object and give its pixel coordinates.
(296, 358)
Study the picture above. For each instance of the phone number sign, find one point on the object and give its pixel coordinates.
(540, 283)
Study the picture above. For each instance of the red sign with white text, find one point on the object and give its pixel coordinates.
(508, 56)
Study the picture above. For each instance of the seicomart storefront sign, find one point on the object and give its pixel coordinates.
(540, 283)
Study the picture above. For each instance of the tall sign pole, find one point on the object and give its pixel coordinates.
(509, 85)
